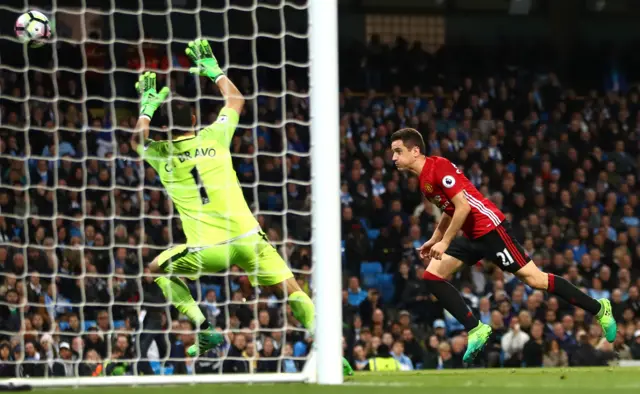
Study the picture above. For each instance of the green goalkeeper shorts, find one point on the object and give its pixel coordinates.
(252, 253)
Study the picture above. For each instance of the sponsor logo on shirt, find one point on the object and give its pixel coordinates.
(437, 201)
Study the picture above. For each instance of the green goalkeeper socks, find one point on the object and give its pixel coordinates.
(177, 293)
(303, 309)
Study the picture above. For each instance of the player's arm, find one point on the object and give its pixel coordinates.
(141, 132)
(451, 182)
(459, 217)
(150, 101)
(233, 99)
(457, 220)
(200, 53)
(443, 225)
(425, 250)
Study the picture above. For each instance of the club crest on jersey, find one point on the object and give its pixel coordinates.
(448, 181)
(428, 188)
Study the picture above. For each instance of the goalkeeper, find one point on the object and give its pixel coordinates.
(197, 172)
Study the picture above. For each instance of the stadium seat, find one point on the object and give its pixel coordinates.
(386, 286)
(371, 267)
(204, 288)
(373, 234)
(117, 324)
(299, 349)
(369, 272)
(155, 366)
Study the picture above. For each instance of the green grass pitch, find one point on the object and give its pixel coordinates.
(478, 381)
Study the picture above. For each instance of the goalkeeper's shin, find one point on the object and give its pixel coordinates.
(303, 309)
(177, 292)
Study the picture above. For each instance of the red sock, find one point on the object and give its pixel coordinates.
(565, 290)
(451, 300)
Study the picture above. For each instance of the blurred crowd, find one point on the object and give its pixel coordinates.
(562, 167)
(82, 216)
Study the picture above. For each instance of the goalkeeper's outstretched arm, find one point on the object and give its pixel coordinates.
(149, 102)
(232, 96)
(206, 65)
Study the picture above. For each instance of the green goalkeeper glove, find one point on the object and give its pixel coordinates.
(151, 99)
(199, 51)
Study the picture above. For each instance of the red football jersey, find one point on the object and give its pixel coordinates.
(440, 180)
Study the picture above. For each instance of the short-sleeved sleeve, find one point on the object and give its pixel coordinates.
(223, 128)
(449, 178)
(149, 153)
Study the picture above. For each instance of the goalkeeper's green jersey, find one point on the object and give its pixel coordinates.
(198, 174)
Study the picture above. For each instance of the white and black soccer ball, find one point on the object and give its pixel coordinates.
(33, 28)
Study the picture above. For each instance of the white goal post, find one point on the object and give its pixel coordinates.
(323, 364)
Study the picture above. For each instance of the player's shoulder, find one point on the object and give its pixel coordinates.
(441, 165)
(157, 147)
(447, 173)
(441, 161)
(227, 117)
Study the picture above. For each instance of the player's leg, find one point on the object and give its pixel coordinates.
(437, 276)
(271, 272)
(266, 268)
(513, 258)
(180, 261)
(461, 251)
(559, 286)
(301, 304)
(174, 289)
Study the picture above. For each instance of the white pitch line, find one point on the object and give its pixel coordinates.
(469, 383)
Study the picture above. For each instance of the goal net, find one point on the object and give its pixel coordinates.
(82, 216)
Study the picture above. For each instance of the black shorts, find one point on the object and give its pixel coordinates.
(498, 246)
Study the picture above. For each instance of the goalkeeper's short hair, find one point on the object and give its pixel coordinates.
(180, 117)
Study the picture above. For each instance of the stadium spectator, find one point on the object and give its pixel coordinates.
(533, 351)
(66, 365)
(398, 354)
(554, 356)
(513, 343)
(383, 361)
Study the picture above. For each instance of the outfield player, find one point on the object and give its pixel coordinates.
(487, 235)
(197, 172)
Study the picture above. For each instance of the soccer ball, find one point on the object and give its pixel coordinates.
(33, 28)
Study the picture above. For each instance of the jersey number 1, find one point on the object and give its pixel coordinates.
(203, 192)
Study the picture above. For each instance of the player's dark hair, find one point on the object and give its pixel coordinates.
(181, 117)
(410, 138)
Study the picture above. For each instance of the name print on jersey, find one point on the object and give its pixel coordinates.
(198, 152)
